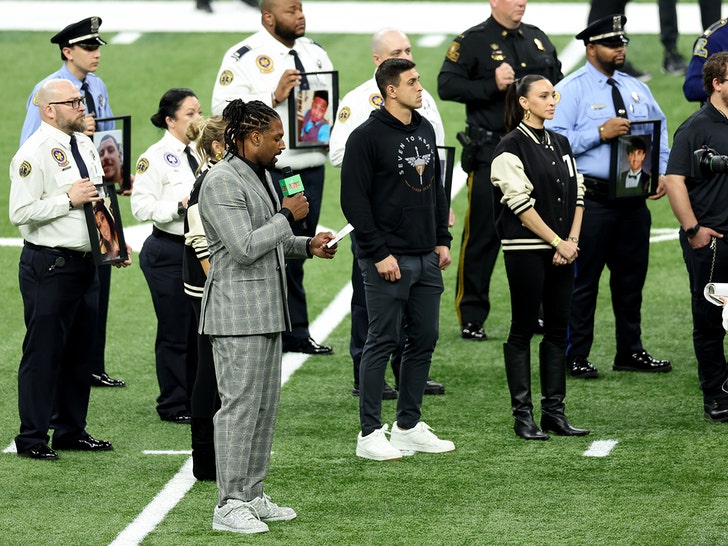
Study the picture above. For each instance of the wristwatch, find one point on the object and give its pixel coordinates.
(181, 209)
(691, 232)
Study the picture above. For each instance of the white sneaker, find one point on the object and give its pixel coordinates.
(267, 510)
(419, 438)
(375, 446)
(237, 516)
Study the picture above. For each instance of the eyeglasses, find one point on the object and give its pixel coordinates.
(73, 103)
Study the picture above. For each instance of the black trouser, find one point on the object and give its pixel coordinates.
(98, 366)
(708, 332)
(313, 188)
(176, 343)
(60, 302)
(616, 235)
(480, 245)
(205, 398)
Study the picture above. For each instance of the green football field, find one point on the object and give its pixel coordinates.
(661, 484)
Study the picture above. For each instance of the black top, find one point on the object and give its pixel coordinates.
(391, 191)
(708, 197)
(468, 72)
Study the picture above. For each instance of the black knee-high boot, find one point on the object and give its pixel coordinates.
(518, 373)
(203, 448)
(552, 361)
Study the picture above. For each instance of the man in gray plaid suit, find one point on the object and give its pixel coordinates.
(244, 307)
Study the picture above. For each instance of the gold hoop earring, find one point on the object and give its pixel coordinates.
(218, 156)
(527, 114)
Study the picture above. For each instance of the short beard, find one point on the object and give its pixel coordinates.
(286, 34)
(72, 126)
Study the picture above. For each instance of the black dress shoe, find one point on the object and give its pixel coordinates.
(716, 411)
(581, 368)
(40, 451)
(85, 443)
(640, 361)
(526, 428)
(559, 425)
(473, 331)
(182, 418)
(310, 347)
(387, 394)
(433, 387)
(103, 380)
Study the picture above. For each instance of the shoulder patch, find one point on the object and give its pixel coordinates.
(25, 169)
(226, 78)
(264, 63)
(453, 52)
(142, 165)
(376, 100)
(344, 114)
(35, 99)
(240, 52)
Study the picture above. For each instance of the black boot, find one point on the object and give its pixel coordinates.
(518, 373)
(203, 449)
(552, 361)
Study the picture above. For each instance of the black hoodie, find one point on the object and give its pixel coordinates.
(391, 191)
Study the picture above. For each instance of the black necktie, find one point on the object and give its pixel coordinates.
(77, 157)
(90, 104)
(299, 67)
(194, 165)
(619, 106)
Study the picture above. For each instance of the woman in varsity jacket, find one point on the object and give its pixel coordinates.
(539, 200)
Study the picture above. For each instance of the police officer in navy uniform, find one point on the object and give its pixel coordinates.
(52, 178)
(479, 65)
(267, 66)
(80, 50)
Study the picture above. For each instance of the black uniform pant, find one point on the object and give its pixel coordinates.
(414, 299)
(98, 366)
(60, 291)
(616, 235)
(708, 332)
(313, 188)
(176, 342)
(534, 280)
(479, 248)
(205, 398)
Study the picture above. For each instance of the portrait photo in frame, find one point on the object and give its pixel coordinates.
(635, 161)
(447, 164)
(114, 148)
(105, 228)
(311, 111)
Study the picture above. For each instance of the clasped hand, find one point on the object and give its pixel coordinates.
(566, 253)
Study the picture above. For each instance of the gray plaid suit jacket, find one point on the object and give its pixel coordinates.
(245, 292)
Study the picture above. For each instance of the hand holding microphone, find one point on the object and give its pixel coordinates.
(293, 197)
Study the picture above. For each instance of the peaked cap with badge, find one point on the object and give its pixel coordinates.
(608, 30)
(84, 32)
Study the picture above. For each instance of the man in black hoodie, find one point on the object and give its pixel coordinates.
(392, 195)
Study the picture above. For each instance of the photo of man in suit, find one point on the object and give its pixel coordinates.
(634, 181)
(244, 307)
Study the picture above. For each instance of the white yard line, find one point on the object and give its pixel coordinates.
(600, 448)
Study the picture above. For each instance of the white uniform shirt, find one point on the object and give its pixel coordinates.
(251, 70)
(163, 179)
(41, 174)
(355, 107)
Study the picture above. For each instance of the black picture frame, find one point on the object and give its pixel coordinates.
(641, 145)
(107, 248)
(300, 102)
(122, 140)
(447, 165)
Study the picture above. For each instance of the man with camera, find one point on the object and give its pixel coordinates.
(697, 187)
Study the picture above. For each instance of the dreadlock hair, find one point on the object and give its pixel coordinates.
(245, 117)
(205, 131)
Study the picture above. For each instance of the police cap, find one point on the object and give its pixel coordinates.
(608, 30)
(85, 32)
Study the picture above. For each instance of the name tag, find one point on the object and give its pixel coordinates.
(597, 106)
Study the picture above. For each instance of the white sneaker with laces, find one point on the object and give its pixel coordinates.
(376, 447)
(419, 438)
(237, 516)
(267, 510)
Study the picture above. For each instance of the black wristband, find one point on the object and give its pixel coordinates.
(308, 247)
(288, 214)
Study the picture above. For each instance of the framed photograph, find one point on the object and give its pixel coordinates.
(635, 161)
(114, 147)
(447, 164)
(311, 111)
(105, 228)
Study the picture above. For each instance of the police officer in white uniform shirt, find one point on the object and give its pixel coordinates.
(354, 109)
(53, 175)
(267, 66)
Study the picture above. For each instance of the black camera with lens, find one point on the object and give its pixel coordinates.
(711, 162)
